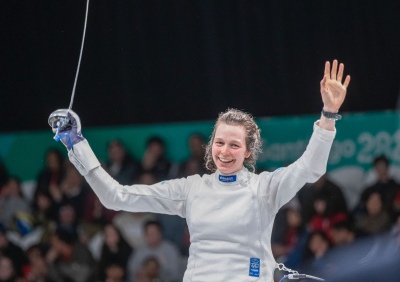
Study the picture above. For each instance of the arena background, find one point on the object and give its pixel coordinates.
(171, 66)
(168, 61)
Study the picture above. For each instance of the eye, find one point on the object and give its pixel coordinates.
(235, 145)
(219, 142)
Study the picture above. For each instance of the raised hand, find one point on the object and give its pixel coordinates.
(333, 91)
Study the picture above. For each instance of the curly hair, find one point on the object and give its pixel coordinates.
(253, 139)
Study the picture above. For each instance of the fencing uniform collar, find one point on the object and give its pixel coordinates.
(232, 179)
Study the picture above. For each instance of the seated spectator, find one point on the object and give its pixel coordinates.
(322, 188)
(195, 163)
(12, 202)
(12, 251)
(385, 185)
(73, 190)
(343, 233)
(7, 269)
(114, 273)
(376, 219)
(315, 258)
(325, 215)
(121, 165)
(288, 228)
(36, 270)
(115, 252)
(45, 214)
(50, 176)
(68, 260)
(67, 219)
(166, 253)
(154, 159)
(150, 271)
(131, 225)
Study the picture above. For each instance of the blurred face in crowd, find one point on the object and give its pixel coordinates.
(153, 235)
(374, 204)
(6, 268)
(11, 188)
(152, 268)
(341, 236)
(196, 145)
(155, 149)
(320, 206)
(116, 152)
(43, 202)
(67, 215)
(382, 170)
(318, 245)
(293, 218)
(114, 273)
(111, 236)
(229, 148)
(53, 162)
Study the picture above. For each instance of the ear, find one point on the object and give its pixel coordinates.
(247, 154)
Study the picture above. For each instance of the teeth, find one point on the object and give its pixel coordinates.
(225, 160)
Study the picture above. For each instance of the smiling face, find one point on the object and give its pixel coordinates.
(229, 148)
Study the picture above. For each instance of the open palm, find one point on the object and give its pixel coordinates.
(333, 91)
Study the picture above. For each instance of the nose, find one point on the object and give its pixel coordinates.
(225, 150)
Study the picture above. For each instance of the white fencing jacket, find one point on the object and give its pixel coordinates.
(230, 217)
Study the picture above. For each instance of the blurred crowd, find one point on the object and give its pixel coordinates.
(58, 231)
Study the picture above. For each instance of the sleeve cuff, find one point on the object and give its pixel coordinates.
(83, 158)
(326, 135)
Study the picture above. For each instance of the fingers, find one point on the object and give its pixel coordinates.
(334, 69)
(347, 81)
(327, 72)
(335, 73)
(340, 73)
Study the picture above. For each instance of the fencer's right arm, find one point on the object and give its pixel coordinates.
(168, 197)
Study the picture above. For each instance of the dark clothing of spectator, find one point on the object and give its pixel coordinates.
(328, 190)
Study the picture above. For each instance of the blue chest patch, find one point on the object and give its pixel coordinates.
(254, 269)
(230, 178)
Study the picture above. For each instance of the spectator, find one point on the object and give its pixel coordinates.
(12, 202)
(384, 184)
(325, 215)
(150, 271)
(36, 270)
(316, 252)
(114, 273)
(195, 163)
(50, 177)
(121, 165)
(115, 252)
(343, 233)
(154, 160)
(45, 214)
(322, 188)
(68, 260)
(7, 270)
(286, 232)
(166, 253)
(12, 251)
(376, 219)
(131, 225)
(73, 190)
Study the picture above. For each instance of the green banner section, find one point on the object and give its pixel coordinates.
(360, 137)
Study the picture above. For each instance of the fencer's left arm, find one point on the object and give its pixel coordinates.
(280, 186)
